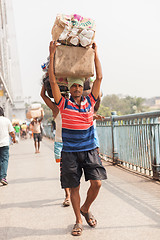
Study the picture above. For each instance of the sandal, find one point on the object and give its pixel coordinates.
(89, 219)
(77, 229)
(66, 203)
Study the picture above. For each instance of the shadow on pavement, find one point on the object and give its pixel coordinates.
(28, 180)
(32, 204)
(18, 232)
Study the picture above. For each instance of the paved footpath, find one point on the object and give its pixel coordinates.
(127, 208)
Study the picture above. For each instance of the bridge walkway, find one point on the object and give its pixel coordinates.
(127, 207)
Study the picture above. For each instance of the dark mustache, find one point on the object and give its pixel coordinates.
(76, 91)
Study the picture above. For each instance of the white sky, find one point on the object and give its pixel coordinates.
(127, 35)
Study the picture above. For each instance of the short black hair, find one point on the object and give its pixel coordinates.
(1, 112)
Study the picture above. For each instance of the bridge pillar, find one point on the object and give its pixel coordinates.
(114, 139)
(156, 156)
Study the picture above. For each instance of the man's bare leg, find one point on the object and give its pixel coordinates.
(67, 197)
(75, 199)
(38, 147)
(67, 193)
(91, 196)
(35, 144)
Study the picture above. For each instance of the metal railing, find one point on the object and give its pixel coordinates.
(133, 141)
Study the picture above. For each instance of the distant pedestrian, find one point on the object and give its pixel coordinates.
(30, 130)
(37, 133)
(17, 132)
(24, 130)
(6, 129)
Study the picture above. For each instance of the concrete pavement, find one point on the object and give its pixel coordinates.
(127, 207)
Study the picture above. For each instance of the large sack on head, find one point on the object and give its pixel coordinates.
(15, 121)
(74, 61)
(73, 30)
(35, 106)
(35, 113)
(59, 25)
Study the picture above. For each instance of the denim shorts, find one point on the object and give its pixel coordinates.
(37, 136)
(4, 157)
(73, 164)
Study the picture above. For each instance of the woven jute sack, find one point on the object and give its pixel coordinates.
(74, 61)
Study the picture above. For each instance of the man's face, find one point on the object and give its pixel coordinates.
(76, 90)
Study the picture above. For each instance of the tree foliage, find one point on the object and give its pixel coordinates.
(122, 105)
(104, 111)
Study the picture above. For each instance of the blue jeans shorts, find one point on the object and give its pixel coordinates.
(37, 137)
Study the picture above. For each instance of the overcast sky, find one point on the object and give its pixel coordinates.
(127, 35)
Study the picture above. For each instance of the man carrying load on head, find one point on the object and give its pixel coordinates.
(79, 148)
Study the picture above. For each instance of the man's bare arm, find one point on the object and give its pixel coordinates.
(97, 82)
(54, 86)
(49, 103)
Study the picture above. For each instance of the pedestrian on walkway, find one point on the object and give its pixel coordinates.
(79, 148)
(24, 130)
(6, 129)
(17, 132)
(37, 133)
(58, 135)
(30, 130)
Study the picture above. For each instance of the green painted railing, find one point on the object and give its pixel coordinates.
(133, 141)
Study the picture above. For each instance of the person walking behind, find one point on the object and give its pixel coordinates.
(58, 136)
(30, 130)
(79, 149)
(24, 130)
(6, 129)
(17, 132)
(37, 133)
